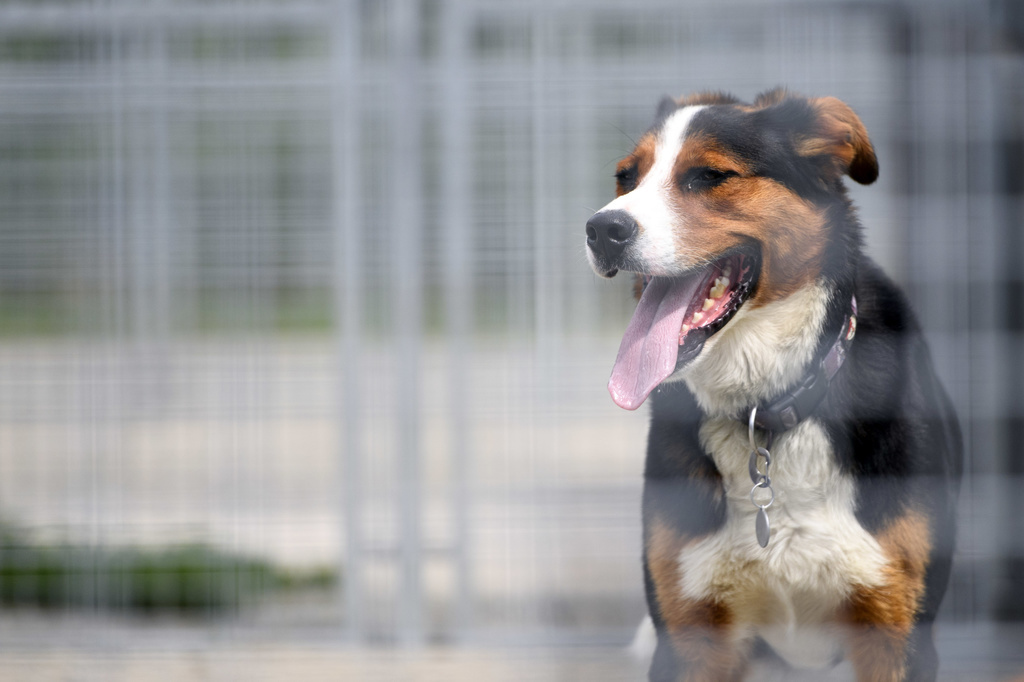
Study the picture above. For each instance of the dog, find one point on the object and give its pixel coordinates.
(803, 460)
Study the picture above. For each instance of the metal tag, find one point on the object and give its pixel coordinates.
(762, 527)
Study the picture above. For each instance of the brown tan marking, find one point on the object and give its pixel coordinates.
(706, 97)
(642, 157)
(638, 286)
(698, 629)
(703, 150)
(882, 618)
(790, 230)
(842, 136)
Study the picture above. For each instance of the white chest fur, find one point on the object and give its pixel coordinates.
(789, 592)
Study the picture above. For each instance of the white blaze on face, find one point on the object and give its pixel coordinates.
(650, 203)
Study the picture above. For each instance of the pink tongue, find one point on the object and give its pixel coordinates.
(650, 345)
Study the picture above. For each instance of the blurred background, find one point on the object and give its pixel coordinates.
(302, 368)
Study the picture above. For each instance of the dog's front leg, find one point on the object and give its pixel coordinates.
(696, 638)
(698, 654)
(885, 632)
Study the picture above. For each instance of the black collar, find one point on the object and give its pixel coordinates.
(789, 409)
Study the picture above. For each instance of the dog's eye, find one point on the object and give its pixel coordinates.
(626, 178)
(697, 179)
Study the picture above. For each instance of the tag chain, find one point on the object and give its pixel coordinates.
(762, 482)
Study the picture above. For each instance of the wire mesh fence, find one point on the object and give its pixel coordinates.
(304, 282)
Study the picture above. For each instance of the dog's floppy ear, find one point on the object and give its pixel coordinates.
(841, 135)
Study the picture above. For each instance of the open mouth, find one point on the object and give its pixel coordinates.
(673, 320)
(727, 284)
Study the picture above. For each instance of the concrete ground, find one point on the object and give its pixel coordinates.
(37, 647)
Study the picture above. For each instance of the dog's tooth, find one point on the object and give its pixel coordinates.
(697, 317)
(708, 302)
(718, 290)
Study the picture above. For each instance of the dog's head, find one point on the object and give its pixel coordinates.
(722, 205)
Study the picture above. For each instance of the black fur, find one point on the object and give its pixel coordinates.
(890, 423)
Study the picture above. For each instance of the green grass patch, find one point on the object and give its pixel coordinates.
(192, 578)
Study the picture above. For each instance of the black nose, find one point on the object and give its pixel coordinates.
(609, 233)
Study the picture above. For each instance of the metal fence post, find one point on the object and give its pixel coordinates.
(348, 314)
(407, 305)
